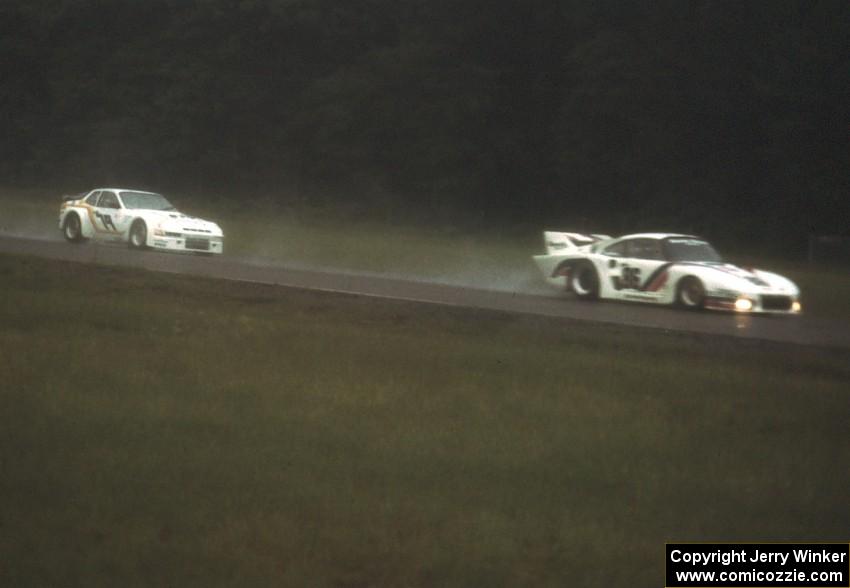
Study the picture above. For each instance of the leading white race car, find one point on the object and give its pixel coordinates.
(141, 219)
(661, 268)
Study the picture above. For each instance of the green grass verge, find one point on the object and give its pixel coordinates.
(163, 430)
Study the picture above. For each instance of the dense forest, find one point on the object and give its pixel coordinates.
(720, 117)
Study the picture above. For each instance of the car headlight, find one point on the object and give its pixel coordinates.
(743, 304)
(796, 306)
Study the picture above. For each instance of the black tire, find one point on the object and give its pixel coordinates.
(584, 281)
(138, 235)
(690, 293)
(72, 228)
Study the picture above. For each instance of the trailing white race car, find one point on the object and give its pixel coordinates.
(661, 268)
(141, 219)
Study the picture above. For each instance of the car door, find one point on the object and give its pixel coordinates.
(107, 215)
(615, 258)
(122, 218)
(644, 257)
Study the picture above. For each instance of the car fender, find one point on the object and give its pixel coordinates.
(555, 267)
(89, 229)
(82, 211)
(777, 281)
(602, 264)
(721, 281)
(150, 224)
(709, 277)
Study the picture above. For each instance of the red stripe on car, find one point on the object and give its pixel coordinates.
(657, 282)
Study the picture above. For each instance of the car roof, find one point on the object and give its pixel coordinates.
(122, 190)
(655, 236)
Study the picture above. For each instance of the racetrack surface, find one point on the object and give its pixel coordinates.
(520, 298)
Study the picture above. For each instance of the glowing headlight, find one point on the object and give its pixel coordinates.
(796, 306)
(743, 304)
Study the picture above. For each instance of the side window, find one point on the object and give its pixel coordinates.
(617, 249)
(109, 200)
(92, 199)
(645, 249)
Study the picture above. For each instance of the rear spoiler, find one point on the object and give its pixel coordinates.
(69, 197)
(560, 243)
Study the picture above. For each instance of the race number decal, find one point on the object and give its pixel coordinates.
(631, 278)
(106, 220)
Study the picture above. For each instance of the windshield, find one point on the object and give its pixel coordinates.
(146, 200)
(686, 249)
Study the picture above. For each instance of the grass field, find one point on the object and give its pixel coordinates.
(161, 430)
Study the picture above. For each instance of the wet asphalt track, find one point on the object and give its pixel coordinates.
(532, 300)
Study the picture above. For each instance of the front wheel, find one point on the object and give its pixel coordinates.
(584, 281)
(690, 294)
(72, 229)
(139, 235)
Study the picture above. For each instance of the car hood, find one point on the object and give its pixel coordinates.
(171, 220)
(746, 280)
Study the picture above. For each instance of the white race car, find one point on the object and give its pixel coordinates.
(661, 268)
(141, 219)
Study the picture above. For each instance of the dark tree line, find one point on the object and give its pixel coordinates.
(703, 115)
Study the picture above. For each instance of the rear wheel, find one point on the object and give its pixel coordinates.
(690, 294)
(584, 281)
(139, 235)
(72, 229)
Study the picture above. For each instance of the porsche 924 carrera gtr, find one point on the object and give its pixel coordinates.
(141, 219)
(661, 268)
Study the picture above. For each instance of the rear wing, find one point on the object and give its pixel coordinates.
(561, 243)
(69, 197)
